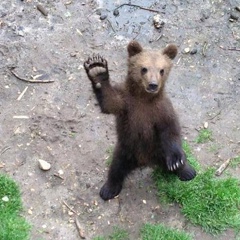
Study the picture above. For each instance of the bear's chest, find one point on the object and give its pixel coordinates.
(143, 120)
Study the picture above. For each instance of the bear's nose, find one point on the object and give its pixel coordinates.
(152, 87)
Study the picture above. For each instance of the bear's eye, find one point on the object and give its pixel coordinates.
(161, 72)
(144, 70)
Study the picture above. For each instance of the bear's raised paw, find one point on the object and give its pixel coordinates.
(97, 69)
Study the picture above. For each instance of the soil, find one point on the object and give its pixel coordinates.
(61, 123)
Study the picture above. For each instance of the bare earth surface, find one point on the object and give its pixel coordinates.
(60, 122)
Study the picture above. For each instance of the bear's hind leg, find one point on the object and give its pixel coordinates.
(121, 166)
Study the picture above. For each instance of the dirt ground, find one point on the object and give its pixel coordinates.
(60, 122)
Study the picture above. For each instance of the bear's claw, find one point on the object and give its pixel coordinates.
(174, 163)
(95, 61)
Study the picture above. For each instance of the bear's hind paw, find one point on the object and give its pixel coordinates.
(107, 192)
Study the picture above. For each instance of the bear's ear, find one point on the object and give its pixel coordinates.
(134, 48)
(170, 51)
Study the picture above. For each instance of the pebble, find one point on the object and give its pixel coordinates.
(116, 12)
(233, 16)
(158, 23)
(44, 165)
(187, 50)
(41, 9)
(205, 125)
(103, 16)
(70, 213)
(193, 51)
(5, 199)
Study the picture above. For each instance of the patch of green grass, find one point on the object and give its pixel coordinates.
(109, 152)
(12, 225)
(204, 135)
(117, 234)
(99, 238)
(207, 201)
(235, 162)
(213, 148)
(190, 157)
(161, 232)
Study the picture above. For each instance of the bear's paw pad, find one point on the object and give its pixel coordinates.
(95, 65)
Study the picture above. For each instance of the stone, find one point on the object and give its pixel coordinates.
(44, 165)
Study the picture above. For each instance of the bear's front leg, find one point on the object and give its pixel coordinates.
(177, 163)
(109, 97)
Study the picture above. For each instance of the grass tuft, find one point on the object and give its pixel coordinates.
(161, 232)
(13, 226)
(204, 135)
(207, 201)
(235, 162)
(109, 152)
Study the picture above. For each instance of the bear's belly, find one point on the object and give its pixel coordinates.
(140, 137)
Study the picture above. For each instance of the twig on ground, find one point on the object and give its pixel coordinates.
(57, 175)
(80, 230)
(223, 167)
(4, 150)
(20, 117)
(204, 49)
(29, 80)
(217, 114)
(230, 48)
(111, 25)
(21, 95)
(71, 209)
(134, 5)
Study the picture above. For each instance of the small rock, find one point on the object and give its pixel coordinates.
(70, 213)
(116, 12)
(60, 172)
(158, 23)
(193, 51)
(103, 16)
(233, 16)
(205, 125)
(205, 14)
(187, 50)
(144, 201)
(237, 8)
(44, 165)
(5, 199)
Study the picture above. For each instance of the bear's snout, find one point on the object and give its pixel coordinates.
(152, 87)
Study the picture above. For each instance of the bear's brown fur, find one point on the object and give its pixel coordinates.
(148, 129)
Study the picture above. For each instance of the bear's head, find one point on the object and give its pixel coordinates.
(149, 69)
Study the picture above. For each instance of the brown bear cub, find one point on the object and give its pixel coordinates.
(148, 130)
